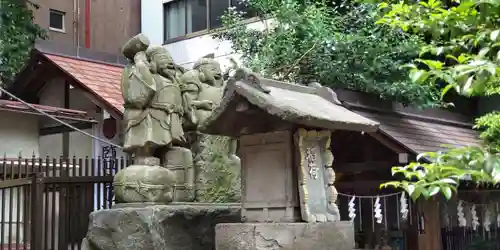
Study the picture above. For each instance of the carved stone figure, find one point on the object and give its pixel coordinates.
(202, 91)
(152, 117)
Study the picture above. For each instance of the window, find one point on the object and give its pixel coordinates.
(56, 20)
(182, 17)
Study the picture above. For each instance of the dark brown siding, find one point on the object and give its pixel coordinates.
(42, 19)
(112, 22)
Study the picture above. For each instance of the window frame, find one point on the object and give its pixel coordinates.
(63, 15)
(203, 32)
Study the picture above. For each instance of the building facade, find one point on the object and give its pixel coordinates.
(186, 27)
(100, 25)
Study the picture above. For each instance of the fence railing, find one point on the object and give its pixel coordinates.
(45, 202)
(459, 238)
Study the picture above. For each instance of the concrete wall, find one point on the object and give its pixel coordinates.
(186, 52)
(18, 133)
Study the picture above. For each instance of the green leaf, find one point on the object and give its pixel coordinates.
(449, 181)
(433, 190)
(439, 50)
(410, 189)
(383, 5)
(466, 89)
(419, 76)
(416, 193)
(494, 35)
(446, 190)
(445, 90)
(432, 64)
(483, 52)
(452, 57)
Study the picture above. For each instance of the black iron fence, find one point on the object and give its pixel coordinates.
(45, 203)
(462, 238)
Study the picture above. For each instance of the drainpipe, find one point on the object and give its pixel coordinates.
(79, 23)
(87, 24)
(75, 23)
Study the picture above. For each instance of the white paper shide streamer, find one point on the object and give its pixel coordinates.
(352, 209)
(487, 220)
(498, 216)
(378, 210)
(404, 206)
(475, 219)
(460, 214)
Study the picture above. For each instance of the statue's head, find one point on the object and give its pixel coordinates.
(161, 61)
(210, 69)
(141, 57)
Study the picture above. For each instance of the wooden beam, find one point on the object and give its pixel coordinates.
(362, 185)
(65, 137)
(394, 146)
(349, 168)
(63, 129)
(15, 183)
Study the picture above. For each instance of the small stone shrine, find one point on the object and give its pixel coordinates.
(288, 192)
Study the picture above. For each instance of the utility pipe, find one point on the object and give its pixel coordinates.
(87, 24)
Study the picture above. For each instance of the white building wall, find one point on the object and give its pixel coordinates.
(80, 145)
(152, 20)
(18, 134)
(186, 52)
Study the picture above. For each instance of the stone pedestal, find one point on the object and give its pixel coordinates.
(275, 236)
(179, 226)
(145, 181)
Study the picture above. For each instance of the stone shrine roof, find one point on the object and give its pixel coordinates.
(311, 106)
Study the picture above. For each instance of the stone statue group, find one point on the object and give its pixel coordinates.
(163, 106)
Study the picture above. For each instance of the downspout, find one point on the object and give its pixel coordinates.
(78, 23)
(75, 23)
(87, 24)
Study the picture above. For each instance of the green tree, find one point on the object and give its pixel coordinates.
(336, 43)
(17, 36)
(462, 51)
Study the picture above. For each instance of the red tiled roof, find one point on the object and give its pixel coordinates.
(102, 80)
(16, 106)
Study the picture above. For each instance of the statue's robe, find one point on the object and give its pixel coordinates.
(158, 123)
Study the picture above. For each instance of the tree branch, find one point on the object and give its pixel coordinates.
(296, 62)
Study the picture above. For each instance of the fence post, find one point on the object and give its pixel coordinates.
(37, 228)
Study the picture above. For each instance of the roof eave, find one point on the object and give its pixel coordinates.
(210, 125)
(77, 118)
(95, 97)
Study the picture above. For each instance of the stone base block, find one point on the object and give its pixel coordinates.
(158, 227)
(274, 236)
